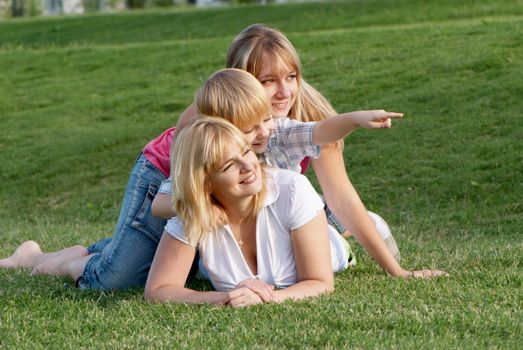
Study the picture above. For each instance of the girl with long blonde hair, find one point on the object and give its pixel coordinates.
(268, 55)
(123, 260)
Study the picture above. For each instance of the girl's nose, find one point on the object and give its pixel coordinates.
(282, 90)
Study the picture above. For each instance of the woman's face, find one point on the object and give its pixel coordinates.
(281, 87)
(239, 176)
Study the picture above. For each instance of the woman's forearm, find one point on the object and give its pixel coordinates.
(304, 289)
(357, 220)
(345, 203)
(168, 275)
(311, 248)
(185, 296)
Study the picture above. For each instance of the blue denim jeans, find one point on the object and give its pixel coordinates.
(123, 261)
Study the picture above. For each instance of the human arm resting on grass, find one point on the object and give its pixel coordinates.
(311, 250)
(168, 274)
(345, 203)
(251, 291)
(337, 127)
(169, 270)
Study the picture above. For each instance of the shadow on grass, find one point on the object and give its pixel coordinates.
(20, 287)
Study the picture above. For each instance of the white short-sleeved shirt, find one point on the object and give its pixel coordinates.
(291, 203)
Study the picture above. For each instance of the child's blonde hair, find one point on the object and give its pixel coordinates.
(200, 149)
(235, 95)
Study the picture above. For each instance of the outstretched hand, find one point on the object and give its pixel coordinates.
(375, 119)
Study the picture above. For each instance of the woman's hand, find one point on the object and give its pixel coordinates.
(264, 290)
(424, 274)
(242, 297)
(375, 119)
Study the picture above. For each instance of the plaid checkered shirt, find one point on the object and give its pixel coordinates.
(289, 143)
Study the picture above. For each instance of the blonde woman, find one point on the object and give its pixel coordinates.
(262, 234)
(271, 58)
(123, 260)
(240, 98)
(234, 95)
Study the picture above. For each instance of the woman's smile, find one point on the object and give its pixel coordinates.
(280, 106)
(251, 179)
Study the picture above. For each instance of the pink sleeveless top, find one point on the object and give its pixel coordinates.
(157, 151)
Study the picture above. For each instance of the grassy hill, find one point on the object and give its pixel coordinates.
(81, 96)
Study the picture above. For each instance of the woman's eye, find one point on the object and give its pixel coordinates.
(267, 81)
(291, 76)
(226, 167)
(248, 131)
(246, 151)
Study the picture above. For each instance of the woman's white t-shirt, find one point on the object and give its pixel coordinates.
(291, 203)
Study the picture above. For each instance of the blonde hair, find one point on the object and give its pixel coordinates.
(257, 43)
(200, 149)
(235, 95)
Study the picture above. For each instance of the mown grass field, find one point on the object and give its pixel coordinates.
(81, 96)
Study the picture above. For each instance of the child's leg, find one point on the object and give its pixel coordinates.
(29, 254)
(59, 264)
(99, 246)
(125, 259)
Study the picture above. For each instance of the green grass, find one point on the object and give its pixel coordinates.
(81, 96)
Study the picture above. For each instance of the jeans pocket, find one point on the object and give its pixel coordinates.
(144, 221)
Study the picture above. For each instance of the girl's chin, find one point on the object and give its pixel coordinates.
(280, 113)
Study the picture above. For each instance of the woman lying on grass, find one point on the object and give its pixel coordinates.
(237, 96)
(256, 228)
(240, 98)
(267, 245)
(123, 260)
(269, 56)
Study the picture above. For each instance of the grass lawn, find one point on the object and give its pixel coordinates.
(81, 96)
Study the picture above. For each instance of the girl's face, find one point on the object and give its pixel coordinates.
(258, 134)
(239, 176)
(281, 87)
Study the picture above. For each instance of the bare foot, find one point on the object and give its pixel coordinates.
(23, 256)
(59, 265)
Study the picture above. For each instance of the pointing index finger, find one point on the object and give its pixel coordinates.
(394, 115)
